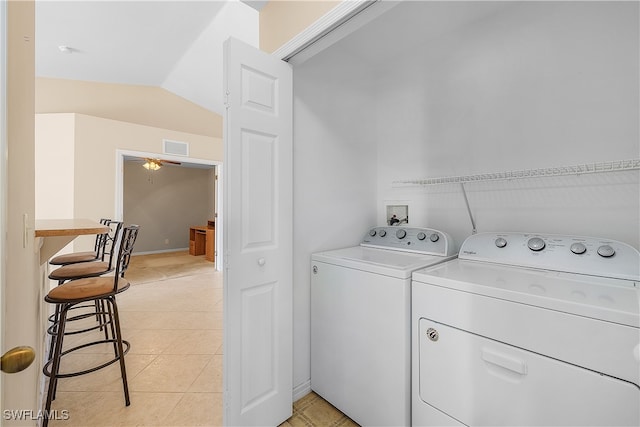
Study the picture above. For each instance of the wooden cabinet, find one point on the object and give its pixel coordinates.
(202, 241)
(210, 245)
(197, 240)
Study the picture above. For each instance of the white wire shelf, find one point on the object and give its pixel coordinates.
(587, 168)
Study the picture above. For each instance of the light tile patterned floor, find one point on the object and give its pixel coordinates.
(312, 411)
(172, 315)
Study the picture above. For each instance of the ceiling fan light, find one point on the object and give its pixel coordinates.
(151, 165)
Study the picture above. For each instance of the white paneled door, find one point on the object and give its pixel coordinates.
(257, 222)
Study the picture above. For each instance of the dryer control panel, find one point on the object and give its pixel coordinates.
(572, 254)
(410, 239)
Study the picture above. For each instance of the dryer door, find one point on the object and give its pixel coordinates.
(479, 381)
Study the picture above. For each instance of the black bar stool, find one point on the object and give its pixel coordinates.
(104, 290)
(106, 251)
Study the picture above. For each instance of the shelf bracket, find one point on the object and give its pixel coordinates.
(466, 201)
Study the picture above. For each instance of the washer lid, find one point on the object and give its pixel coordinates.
(612, 300)
(379, 261)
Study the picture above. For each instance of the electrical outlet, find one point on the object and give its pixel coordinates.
(166, 241)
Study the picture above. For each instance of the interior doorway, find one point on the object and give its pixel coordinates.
(125, 159)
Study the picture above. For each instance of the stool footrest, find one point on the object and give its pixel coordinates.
(126, 346)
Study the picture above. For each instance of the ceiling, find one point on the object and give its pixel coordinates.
(176, 45)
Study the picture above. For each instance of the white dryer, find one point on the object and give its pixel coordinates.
(528, 329)
(360, 321)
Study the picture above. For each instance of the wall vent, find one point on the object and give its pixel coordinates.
(177, 148)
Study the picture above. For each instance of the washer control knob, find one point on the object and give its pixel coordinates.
(434, 237)
(401, 234)
(536, 244)
(501, 242)
(372, 232)
(382, 233)
(606, 251)
(421, 236)
(578, 248)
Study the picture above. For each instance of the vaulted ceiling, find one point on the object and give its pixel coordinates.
(176, 45)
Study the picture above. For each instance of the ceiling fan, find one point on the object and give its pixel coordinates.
(155, 164)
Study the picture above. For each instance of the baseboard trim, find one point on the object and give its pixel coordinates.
(161, 251)
(301, 390)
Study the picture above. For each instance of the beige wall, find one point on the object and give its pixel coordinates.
(94, 163)
(54, 166)
(22, 299)
(281, 20)
(145, 105)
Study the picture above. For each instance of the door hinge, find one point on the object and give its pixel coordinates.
(226, 99)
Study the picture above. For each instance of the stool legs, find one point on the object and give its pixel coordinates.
(111, 313)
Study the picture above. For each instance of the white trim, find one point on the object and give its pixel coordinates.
(301, 390)
(4, 194)
(161, 251)
(319, 27)
(328, 29)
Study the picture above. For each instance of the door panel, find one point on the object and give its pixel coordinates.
(258, 192)
(257, 238)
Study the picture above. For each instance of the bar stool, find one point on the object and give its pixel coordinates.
(103, 265)
(87, 256)
(103, 289)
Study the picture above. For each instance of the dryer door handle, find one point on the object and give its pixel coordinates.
(505, 361)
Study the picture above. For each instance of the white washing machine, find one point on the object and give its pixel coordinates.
(360, 321)
(528, 329)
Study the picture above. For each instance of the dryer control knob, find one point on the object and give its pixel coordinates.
(382, 233)
(401, 234)
(372, 232)
(434, 237)
(606, 251)
(421, 236)
(501, 242)
(536, 244)
(578, 248)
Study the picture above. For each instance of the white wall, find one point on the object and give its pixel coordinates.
(539, 85)
(334, 189)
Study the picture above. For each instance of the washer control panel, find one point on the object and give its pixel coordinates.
(571, 254)
(410, 239)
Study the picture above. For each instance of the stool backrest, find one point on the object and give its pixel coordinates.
(99, 238)
(109, 243)
(129, 236)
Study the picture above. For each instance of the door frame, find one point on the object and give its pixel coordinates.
(3, 175)
(330, 28)
(119, 190)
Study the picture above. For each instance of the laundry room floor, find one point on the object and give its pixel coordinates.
(173, 318)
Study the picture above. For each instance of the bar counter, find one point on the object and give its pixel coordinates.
(55, 234)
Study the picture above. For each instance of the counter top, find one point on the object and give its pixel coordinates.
(68, 227)
(54, 234)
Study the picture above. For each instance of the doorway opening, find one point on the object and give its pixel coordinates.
(132, 160)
